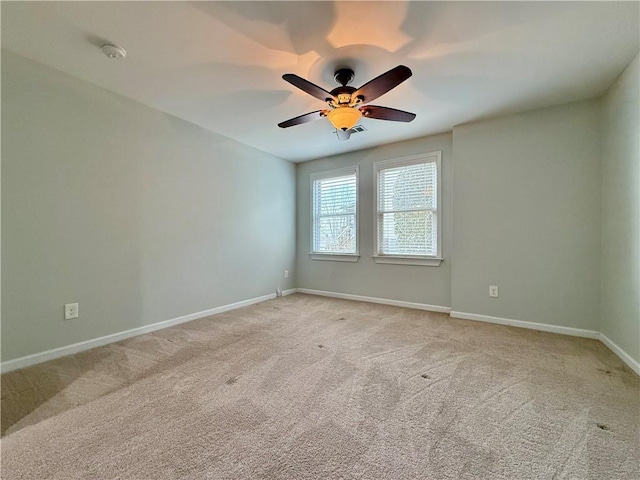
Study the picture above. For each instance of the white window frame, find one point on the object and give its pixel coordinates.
(336, 257)
(424, 260)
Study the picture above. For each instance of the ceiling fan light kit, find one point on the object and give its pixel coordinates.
(344, 118)
(348, 104)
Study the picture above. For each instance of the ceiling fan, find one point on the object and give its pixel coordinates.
(348, 104)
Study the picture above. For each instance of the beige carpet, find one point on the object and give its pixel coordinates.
(307, 387)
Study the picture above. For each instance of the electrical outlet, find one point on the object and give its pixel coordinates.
(278, 292)
(493, 291)
(286, 274)
(70, 311)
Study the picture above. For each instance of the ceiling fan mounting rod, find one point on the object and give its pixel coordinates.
(344, 76)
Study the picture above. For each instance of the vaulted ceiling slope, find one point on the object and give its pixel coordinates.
(219, 64)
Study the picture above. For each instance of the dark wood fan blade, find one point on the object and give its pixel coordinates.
(308, 87)
(306, 118)
(386, 113)
(382, 84)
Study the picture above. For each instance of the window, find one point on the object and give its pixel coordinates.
(334, 214)
(407, 215)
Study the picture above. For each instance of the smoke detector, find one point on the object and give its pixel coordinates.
(113, 51)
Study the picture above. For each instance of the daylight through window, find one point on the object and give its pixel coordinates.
(407, 213)
(334, 207)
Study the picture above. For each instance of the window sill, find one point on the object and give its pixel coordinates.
(408, 260)
(335, 257)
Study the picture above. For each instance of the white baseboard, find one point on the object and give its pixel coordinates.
(574, 332)
(34, 359)
(624, 356)
(383, 301)
(54, 353)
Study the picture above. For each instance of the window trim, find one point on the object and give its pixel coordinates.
(334, 256)
(423, 260)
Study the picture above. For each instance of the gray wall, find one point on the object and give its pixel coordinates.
(521, 210)
(430, 285)
(620, 316)
(138, 216)
(142, 217)
(526, 216)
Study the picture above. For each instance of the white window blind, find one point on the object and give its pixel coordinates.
(334, 207)
(408, 208)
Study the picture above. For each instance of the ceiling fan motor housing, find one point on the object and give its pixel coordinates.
(343, 95)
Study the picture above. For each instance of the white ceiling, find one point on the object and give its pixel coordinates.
(219, 64)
